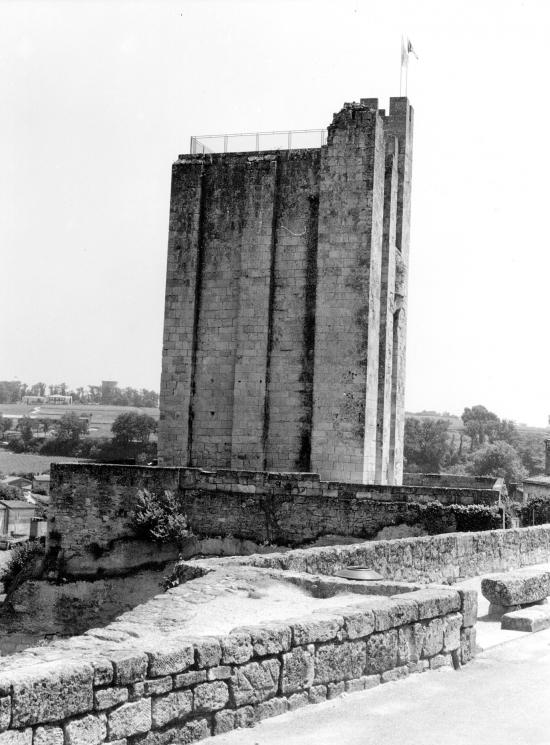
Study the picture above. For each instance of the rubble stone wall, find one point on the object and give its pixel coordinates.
(112, 687)
(433, 558)
(91, 507)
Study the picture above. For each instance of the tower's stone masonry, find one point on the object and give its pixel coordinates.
(285, 319)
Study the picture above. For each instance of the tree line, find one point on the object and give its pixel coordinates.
(130, 441)
(13, 391)
(485, 446)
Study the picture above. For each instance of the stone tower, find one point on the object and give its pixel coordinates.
(285, 315)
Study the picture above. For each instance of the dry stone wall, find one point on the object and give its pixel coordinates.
(91, 506)
(125, 686)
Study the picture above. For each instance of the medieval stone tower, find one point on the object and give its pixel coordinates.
(285, 316)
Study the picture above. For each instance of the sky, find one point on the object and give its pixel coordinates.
(98, 99)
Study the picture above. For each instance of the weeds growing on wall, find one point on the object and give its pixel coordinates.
(22, 564)
(159, 517)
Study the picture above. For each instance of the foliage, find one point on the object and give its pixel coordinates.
(133, 427)
(22, 563)
(5, 425)
(480, 425)
(536, 511)
(498, 459)
(160, 517)
(426, 443)
(437, 518)
(9, 492)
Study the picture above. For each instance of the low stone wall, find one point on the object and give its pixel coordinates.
(433, 558)
(90, 511)
(121, 685)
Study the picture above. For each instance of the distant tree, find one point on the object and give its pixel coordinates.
(9, 492)
(531, 450)
(498, 459)
(480, 425)
(38, 389)
(26, 431)
(132, 427)
(426, 444)
(5, 425)
(70, 428)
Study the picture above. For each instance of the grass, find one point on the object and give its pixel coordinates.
(101, 417)
(16, 463)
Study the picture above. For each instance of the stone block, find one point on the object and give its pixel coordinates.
(434, 602)
(410, 642)
(208, 652)
(245, 717)
(48, 735)
(171, 707)
(358, 623)
(297, 700)
(166, 660)
(87, 730)
(317, 694)
(468, 607)
(270, 639)
(418, 667)
(535, 618)
(224, 721)
(396, 674)
(311, 630)
(5, 712)
(433, 639)
(103, 671)
(156, 686)
(16, 737)
(210, 697)
(254, 682)
(382, 652)
(370, 681)
(51, 691)
(440, 660)
(298, 669)
(451, 631)
(184, 680)
(335, 662)
(266, 709)
(467, 644)
(136, 691)
(221, 672)
(129, 719)
(395, 611)
(236, 648)
(129, 666)
(352, 686)
(336, 689)
(105, 698)
(516, 588)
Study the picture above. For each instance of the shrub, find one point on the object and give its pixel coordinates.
(22, 564)
(536, 511)
(437, 518)
(160, 517)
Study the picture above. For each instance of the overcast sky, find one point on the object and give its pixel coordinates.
(98, 99)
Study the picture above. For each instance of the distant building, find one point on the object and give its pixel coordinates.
(18, 482)
(57, 399)
(16, 516)
(41, 483)
(537, 486)
(108, 390)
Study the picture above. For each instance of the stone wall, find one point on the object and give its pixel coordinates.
(436, 558)
(284, 336)
(91, 506)
(112, 687)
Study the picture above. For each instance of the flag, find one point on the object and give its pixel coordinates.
(410, 49)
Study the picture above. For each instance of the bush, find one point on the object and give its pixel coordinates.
(536, 511)
(23, 564)
(436, 518)
(159, 517)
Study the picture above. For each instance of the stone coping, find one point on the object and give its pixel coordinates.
(141, 679)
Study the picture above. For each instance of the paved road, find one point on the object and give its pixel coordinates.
(501, 698)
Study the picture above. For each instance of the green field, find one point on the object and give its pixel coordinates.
(17, 463)
(101, 417)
